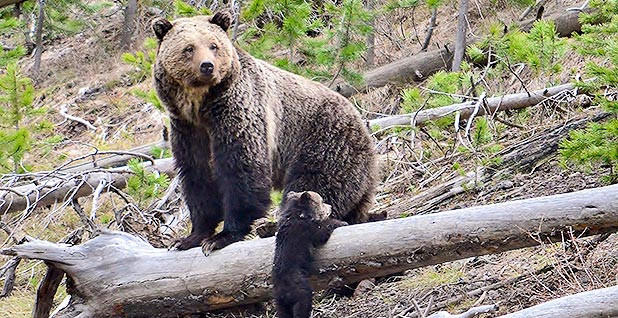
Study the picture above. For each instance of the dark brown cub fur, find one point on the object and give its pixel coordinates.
(304, 224)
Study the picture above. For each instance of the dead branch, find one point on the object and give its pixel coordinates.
(418, 67)
(521, 156)
(493, 104)
(430, 28)
(468, 314)
(61, 186)
(117, 274)
(63, 112)
(115, 158)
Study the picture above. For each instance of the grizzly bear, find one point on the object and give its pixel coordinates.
(241, 127)
(303, 225)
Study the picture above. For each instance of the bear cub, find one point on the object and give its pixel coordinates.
(304, 224)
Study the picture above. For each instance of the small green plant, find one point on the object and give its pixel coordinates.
(149, 96)
(159, 153)
(18, 120)
(144, 185)
(541, 48)
(597, 144)
(183, 9)
(142, 60)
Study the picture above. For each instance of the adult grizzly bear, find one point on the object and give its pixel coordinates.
(240, 126)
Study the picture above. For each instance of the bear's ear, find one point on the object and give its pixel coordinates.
(223, 19)
(161, 26)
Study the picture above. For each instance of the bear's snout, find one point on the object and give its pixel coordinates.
(206, 67)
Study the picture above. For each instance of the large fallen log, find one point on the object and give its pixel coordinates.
(6, 3)
(493, 104)
(61, 187)
(418, 67)
(598, 303)
(117, 274)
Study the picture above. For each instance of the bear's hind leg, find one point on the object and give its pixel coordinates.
(302, 307)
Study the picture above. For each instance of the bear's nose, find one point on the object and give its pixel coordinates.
(207, 67)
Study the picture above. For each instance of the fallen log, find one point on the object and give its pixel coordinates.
(601, 303)
(493, 104)
(418, 67)
(62, 187)
(116, 160)
(118, 275)
(6, 3)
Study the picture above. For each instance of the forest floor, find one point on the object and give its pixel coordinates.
(86, 71)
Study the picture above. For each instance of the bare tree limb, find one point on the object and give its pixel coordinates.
(418, 67)
(56, 189)
(468, 314)
(493, 104)
(430, 28)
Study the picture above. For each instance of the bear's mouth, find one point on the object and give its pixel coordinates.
(201, 81)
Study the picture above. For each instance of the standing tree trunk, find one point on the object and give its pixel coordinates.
(39, 37)
(128, 26)
(371, 40)
(460, 40)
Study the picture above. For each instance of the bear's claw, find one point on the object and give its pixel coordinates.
(220, 241)
(191, 241)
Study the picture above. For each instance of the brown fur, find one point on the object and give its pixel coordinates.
(251, 127)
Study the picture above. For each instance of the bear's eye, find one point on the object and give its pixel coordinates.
(213, 46)
(189, 49)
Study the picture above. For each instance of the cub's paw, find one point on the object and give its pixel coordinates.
(220, 241)
(191, 241)
(339, 223)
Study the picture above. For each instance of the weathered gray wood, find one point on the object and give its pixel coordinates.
(116, 160)
(5, 3)
(418, 67)
(117, 274)
(57, 189)
(500, 103)
(598, 303)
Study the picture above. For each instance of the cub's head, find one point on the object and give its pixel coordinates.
(196, 52)
(304, 205)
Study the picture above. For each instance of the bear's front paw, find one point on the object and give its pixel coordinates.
(191, 241)
(220, 241)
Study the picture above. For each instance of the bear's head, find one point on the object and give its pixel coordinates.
(305, 205)
(196, 52)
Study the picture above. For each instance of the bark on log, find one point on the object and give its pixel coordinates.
(56, 189)
(493, 104)
(117, 159)
(39, 36)
(117, 274)
(6, 3)
(598, 303)
(418, 67)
